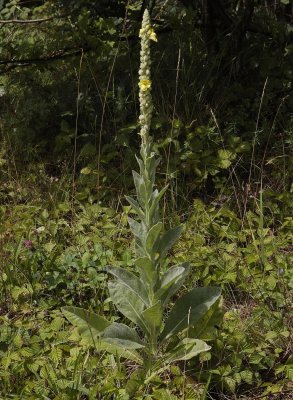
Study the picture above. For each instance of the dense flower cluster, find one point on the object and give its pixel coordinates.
(146, 34)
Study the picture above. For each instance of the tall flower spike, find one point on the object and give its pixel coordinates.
(146, 34)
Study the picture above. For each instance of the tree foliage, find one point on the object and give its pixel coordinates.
(222, 87)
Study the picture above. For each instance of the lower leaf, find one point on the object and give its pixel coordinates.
(123, 336)
(187, 349)
(85, 320)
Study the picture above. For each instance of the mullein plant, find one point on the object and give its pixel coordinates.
(154, 339)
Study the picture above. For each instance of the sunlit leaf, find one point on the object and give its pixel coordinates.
(123, 336)
(187, 349)
(189, 309)
(130, 281)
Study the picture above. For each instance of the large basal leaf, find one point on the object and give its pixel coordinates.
(152, 238)
(189, 309)
(168, 239)
(153, 316)
(206, 327)
(187, 349)
(171, 282)
(90, 327)
(87, 322)
(123, 336)
(128, 303)
(102, 346)
(130, 281)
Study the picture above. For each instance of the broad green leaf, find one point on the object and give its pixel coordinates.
(102, 346)
(127, 302)
(138, 229)
(146, 269)
(187, 349)
(153, 316)
(87, 322)
(206, 326)
(131, 281)
(90, 326)
(123, 336)
(152, 237)
(172, 281)
(168, 239)
(189, 309)
(139, 250)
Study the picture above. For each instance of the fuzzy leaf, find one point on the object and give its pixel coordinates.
(157, 195)
(138, 229)
(127, 302)
(168, 239)
(130, 281)
(123, 336)
(154, 208)
(172, 281)
(187, 349)
(189, 309)
(140, 188)
(87, 322)
(102, 346)
(206, 326)
(134, 204)
(152, 237)
(139, 250)
(146, 269)
(90, 326)
(141, 165)
(153, 316)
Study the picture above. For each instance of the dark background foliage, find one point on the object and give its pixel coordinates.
(222, 88)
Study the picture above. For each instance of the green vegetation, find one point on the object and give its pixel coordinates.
(222, 127)
(142, 298)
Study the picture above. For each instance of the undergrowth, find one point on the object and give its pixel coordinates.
(53, 253)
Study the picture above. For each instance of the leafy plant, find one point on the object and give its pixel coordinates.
(143, 296)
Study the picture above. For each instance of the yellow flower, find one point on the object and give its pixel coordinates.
(144, 84)
(153, 35)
